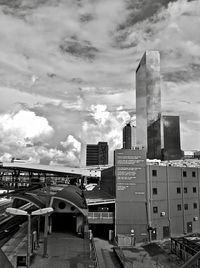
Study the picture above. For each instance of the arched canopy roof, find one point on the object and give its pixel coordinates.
(37, 201)
(73, 195)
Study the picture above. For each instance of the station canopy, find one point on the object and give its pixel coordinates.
(72, 195)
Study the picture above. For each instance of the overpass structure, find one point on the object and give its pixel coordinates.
(51, 169)
(19, 174)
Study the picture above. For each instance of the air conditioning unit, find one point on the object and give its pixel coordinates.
(162, 214)
(195, 218)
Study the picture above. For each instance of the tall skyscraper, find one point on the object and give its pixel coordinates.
(160, 135)
(127, 136)
(148, 104)
(97, 154)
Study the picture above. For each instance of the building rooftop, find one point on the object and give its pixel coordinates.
(176, 163)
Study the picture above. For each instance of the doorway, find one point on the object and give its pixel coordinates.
(64, 222)
(189, 227)
(154, 234)
(166, 232)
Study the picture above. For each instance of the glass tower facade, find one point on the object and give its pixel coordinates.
(171, 144)
(148, 104)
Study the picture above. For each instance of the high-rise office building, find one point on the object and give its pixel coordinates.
(97, 154)
(160, 135)
(127, 136)
(148, 104)
(170, 137)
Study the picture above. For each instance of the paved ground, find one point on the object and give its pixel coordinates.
(106, 257)
(65, 251)
(151, 255)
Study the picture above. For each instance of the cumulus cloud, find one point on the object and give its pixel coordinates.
(23, 125)
(20, 130)
(105, 125)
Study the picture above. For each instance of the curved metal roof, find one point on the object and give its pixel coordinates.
(37, 201)
(73, 195)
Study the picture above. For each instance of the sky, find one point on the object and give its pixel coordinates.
(67, 72)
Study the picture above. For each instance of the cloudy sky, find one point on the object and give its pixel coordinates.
(67, 72)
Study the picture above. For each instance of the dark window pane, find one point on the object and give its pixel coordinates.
(194, 205)
(154, 172)
(178, 190)
(155, 191)
(185, 190)
(155, 209)
(179, 207)
(193, 174)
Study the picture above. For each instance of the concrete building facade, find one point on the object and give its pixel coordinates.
(130, 181)
(157, 203)
(173, 200)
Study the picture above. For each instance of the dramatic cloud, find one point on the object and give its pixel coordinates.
(23, 126)
(69, 66)
(104, 125)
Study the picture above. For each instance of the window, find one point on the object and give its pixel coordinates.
(179, 207)
(178, 190)
(194, 189)
(184, 174)
(62, 205)
(185, 190)
(186, 206)
(155, 191)
(154, 172)
(194, 205)
(193, 174)
(155, 209)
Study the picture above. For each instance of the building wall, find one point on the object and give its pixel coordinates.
(102, 153)
(174, 188)
(92, 155)
(140, 189)
(130, 208)
(107, 182)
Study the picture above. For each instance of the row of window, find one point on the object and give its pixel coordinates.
(185, 190)
(154, 173)
(179, 207)
(178, 190)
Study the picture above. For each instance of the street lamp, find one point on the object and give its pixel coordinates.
(16, 211)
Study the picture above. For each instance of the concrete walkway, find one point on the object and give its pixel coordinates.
(64, 251)
(105, 254)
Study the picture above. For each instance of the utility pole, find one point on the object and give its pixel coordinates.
(46, 221)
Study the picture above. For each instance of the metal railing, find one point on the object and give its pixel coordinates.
(100, 215)
(93, 252)
(193, 262)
